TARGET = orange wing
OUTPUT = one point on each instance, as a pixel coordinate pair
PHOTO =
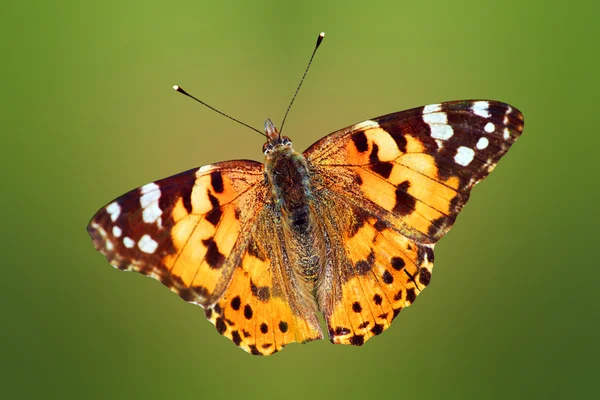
(195, 232)
(372, 274)
(390, 188)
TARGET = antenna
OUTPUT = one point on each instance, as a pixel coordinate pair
(180, 90)
(319, 40)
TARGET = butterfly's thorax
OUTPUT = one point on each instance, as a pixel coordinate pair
(289, 179)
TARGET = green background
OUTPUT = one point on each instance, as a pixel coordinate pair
(88, 113)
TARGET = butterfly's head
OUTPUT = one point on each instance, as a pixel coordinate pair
(275, 141)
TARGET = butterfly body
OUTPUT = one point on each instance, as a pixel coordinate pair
(346, 228)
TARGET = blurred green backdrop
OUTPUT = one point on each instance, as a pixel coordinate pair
(88, 113)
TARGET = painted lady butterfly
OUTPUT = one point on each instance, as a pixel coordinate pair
(346, 228)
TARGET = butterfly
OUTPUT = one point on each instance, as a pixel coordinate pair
(347, 228)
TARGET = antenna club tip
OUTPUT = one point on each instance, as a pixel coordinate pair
(179, 89)
(320, 38)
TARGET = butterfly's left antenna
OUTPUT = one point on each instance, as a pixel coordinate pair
(319, 40)
(180, 90)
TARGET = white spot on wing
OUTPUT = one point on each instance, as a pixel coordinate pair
(481, 108)
(508, 111)
(128, 242)
(483, 143)
(114, 210)
(506, 133)
(117, 231)
(109, 245)
(147, 245)
(489, 127)
(148, 188)
(432, 108)
(149, 202)
(464, 156)
(438, 123)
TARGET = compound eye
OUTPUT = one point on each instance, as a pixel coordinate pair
(267, 148)
(286, 140)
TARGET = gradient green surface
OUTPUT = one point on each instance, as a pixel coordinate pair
(88, 113)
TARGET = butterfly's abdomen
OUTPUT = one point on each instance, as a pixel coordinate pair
(291, 190)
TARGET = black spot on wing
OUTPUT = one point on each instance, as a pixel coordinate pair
(411, 295)
(374, 156)
(213, 256)
(254, 350)
(214, 215)
(283, 326)
(377, 329)
(186, 294)
(425, 276)
(236, 303)
(360, 141)
(220, 325)
(380, 225)
(398, 263)
(382, 168)
(356, 307)
(264, 328)
(405, 203)
(398, 296)
(340, 331)
(248, 311)
(262, 293)
(235, 336)
(377, 299)
(362, 267)
(216, 181)
(387, 277)
(357, 340)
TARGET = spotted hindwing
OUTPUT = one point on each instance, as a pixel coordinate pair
(393, 186)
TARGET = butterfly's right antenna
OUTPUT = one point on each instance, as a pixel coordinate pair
(319, 40)
(180, 90)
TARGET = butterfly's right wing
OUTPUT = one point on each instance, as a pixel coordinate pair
(202, 234)
(387, 190)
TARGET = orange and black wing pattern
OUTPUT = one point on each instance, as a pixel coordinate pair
(390, 188)
(200, 234)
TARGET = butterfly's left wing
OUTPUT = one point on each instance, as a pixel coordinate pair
(403, 179)
(210, 236)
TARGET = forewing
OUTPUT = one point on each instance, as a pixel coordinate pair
(415, 169)
(187, 230)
